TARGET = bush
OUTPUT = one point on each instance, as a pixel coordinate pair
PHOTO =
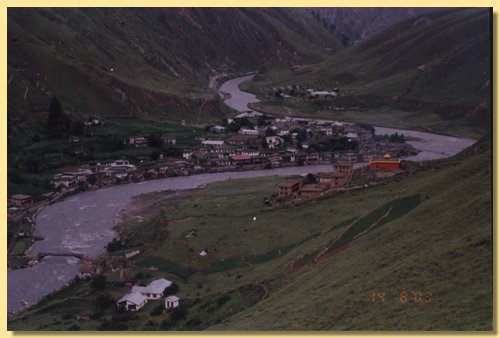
(165, 324)
(124, 316)
(114, 245)
(107, 325)
(103, 300)
(172, 289)
(73, 327)
(178, 313)
(158, 310)
(66, 316)
(98, 282)
(223, 299)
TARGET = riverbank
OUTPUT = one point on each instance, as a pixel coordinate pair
(84, 223)
(436, 221)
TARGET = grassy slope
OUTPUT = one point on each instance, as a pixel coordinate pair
(454, 45)
(442, 245)
(161, 61)
(161, 58)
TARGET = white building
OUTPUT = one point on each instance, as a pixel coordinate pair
(274, 142)
(245, 131)
(154, 290)
(351, 135)
(133, 301)
(213, 143)
(250, 152)
(120, 169)
(171, 302)
(248, 114)
(217, 129)
(313, 92)
(137, 141)
(326, 131)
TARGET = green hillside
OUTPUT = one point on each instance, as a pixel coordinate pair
(272, 266)
(437, 64)
(139, 71)
(146, 62)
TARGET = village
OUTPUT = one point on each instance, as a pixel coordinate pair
(249, 141)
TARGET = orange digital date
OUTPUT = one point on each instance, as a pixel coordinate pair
(413, 296)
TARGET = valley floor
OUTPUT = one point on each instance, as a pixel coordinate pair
(414, 253)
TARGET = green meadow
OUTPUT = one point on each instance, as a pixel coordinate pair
(414, 241)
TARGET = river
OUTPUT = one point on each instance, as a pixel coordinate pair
(238, 100)
(83, 223)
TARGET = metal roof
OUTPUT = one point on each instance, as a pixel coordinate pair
(156, 286)
(133, 297)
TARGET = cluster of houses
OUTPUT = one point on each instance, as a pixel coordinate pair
(103, 173)
(339, 176)
(274, 143)
(255, 142)
(140, 295)
(260, 144)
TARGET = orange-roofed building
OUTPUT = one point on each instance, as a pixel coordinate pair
(386, 163)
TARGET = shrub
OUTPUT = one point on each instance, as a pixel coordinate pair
(73, 327)
(107, 325)
(98, 282)
(158, 310)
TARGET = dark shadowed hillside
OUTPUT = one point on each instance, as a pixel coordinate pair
(146, 62)
(356, 24)
(437, 64)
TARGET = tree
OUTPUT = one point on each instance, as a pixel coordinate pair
(244, 122)
(262, 120)
(98, 282)
(78, 128)
(92, 179)
(310, 179)
(55, 119)
(270, 132)
(234, 127)
(103, 300)
(33, 164)
(171, 290)
(155, 140)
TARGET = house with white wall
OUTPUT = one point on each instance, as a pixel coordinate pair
(133, 301)
(171, 302)
(154, 290)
